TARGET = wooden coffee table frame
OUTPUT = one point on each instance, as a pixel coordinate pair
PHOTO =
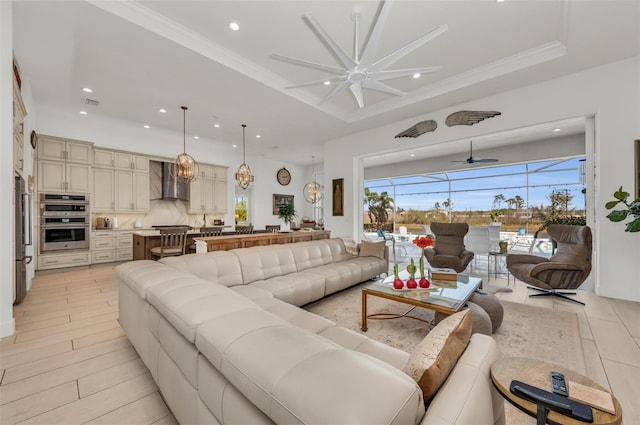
(409, 301)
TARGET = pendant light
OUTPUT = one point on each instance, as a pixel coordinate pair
(185, 168)
(243, 176)
(312, 191)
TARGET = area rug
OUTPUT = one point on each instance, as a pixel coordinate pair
(526, 331)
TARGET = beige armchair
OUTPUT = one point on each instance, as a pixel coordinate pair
(568, 268)
(449, 250)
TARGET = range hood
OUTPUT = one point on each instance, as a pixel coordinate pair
(164, 185)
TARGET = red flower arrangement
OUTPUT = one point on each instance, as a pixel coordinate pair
(423, 242)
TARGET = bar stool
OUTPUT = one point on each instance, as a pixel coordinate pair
(172, 242)
(244, 230)
(272, 228)
(205, 232)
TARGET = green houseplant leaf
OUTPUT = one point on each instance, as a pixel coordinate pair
(632, 210)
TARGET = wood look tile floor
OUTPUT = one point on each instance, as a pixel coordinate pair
(70, 362)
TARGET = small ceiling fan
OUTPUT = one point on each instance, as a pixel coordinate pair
(472, 160)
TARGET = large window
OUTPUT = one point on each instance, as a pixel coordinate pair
(519, 195)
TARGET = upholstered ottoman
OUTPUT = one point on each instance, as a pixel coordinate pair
(491, 304)
(480, 320)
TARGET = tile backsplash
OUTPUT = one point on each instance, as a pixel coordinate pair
(162, 212)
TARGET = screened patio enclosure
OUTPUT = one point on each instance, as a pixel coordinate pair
(520, 196)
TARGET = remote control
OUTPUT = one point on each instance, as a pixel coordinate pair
(558, 384)
(551, 401)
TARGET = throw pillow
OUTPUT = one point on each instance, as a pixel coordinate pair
(350, 245)
(372, 249)
(434, 358)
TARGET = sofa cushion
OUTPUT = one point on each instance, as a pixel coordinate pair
(311, 254)
(372, 249)
(433, 359)
(220, 267)
(265, 262)
(350, 245)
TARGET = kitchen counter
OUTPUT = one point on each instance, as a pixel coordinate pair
(143, 241)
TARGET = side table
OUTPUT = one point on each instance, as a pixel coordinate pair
(494, 256)
(536, 373)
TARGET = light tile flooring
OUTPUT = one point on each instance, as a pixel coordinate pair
(70, 362)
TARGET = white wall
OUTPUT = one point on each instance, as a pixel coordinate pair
(611, 93)
(7, 323)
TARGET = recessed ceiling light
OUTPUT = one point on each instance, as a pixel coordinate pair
(258, 136)
(83, 112)
(234, 146)
(555, 130)
(412, 155)
(216, 125)
(87, 90)
(196, 137)
(326, 83)
(234, 26)
(499, 1)
(162, 111)
(416, 75)
(146, 126)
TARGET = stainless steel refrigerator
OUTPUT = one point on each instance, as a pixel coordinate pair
(23, 238)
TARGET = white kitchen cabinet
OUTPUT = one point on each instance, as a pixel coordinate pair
(58, 149)
(132, 191)
(207, 171)
(55, 261)
(103, 197)
(129, 161)
(103, 246)
(221, 173)
(19, 111)
(201, 196)
(64, 166)
(220, 196)
(60, 176)
(103, 158)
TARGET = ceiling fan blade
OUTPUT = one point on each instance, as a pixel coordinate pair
(393, 57)
(387, 75)
(466, 160)
(322, 67)
(336, 88)
(330, 42)
(378, 86)
(485, 160)
(369, 51)
(318, 82)
(356, 89)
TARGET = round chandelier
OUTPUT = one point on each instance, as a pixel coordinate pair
(312, 191)
(243, 176)
(185, 168)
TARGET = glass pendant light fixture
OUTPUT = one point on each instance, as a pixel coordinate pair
(185, 168)
(313, 190)
(243, 176)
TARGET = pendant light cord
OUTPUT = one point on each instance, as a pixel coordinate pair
(244, 126)
(184, 129)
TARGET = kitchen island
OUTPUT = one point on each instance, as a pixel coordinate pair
(143, 241)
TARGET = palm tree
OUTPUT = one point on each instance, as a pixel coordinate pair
(378, 206)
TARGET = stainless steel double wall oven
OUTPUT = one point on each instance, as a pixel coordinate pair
(64, 222)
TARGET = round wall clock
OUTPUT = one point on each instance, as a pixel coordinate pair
(283, 176)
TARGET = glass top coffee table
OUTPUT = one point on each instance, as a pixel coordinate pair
(444, 296)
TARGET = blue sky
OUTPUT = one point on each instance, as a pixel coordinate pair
(475, 189)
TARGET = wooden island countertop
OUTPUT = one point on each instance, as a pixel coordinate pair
(142, 243)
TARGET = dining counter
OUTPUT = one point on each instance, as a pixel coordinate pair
(143, 241)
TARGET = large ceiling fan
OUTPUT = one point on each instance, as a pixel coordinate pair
(472, 160)
(362, 71)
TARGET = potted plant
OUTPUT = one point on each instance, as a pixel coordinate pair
(287, 214)
(632, 210)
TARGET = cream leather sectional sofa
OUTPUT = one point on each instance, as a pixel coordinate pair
(226, 342)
